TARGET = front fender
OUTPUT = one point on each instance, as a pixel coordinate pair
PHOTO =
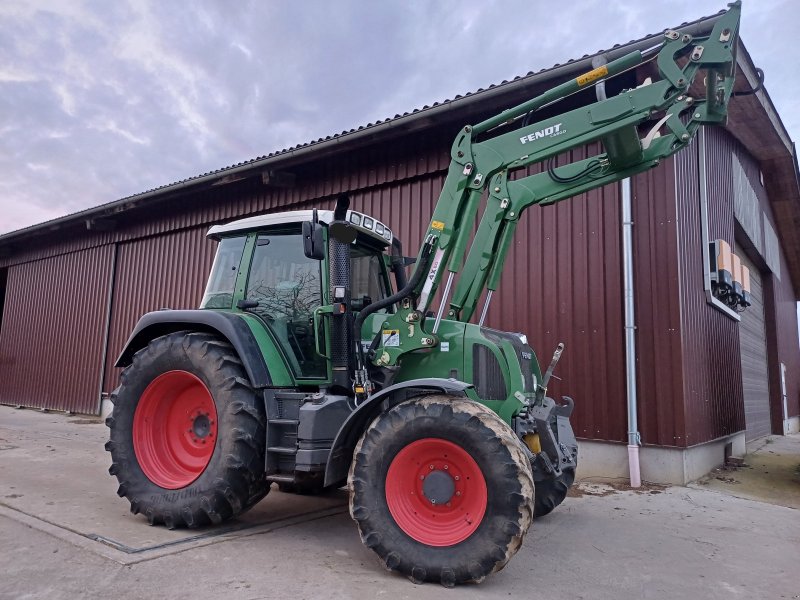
(352, 429)
(226, 325)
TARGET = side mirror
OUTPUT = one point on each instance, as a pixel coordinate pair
(313, 240)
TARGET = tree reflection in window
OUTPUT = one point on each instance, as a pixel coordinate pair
(287, 286)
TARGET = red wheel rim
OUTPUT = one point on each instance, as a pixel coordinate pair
(459, 486)
(174, 429)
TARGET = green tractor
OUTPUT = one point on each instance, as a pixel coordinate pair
(313, 361)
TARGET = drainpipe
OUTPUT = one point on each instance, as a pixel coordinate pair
(634, 439)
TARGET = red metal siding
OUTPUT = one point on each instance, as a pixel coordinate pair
(563, 283)
(784, 347)
(563, 280)
(166, 271)
(318, 181)
(51, 343)
(780, 306)
(656, 305)
(712, 386)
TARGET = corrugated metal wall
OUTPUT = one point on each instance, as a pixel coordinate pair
(780, 306)
(712, 384)
(755, 372)
(383, 165)
(54, 324)
(166, 271)
(656, 275)
(563, 282)
(785, 346)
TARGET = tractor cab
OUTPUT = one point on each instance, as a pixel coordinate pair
(268, 266)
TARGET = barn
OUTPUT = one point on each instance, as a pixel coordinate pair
(644, 333)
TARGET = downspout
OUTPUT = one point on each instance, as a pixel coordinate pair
(634, 439)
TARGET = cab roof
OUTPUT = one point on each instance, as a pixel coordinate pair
(362, 223)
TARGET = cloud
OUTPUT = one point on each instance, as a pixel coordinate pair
(99, 100)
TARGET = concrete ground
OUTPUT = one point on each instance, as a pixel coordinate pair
(65, 534)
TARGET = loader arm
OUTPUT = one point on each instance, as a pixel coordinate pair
(637, 129)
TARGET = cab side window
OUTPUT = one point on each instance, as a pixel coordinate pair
(368, 278)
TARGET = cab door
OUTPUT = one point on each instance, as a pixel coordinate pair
(287, 287)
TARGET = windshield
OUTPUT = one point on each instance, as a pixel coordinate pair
(221, 282)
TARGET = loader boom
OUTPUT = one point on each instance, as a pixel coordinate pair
(637, 129)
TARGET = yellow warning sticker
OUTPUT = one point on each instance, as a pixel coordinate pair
(592, 75)
(438, 225)
(390, 337)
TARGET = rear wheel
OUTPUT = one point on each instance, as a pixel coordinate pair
(187, 433)
(441, 490)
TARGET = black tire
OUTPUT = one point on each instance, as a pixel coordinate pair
(551, 492)
(498, 454)
(233, 480)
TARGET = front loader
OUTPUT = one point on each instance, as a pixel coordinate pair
(314, 361)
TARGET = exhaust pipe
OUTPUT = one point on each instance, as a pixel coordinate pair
(341, 235)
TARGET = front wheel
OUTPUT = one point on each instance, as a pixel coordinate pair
(441, 490)
(551, 492)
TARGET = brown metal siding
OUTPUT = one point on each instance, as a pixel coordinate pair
(171, 270)
(755, 372)
(712, 385)
(166, 271)
(783, 345)
(52, 338)
(563, 283)
(780, 306)
(780, 311)
(319, 181)
(656, 305)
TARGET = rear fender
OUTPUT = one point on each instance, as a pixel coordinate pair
(352, 429)
(226, 325)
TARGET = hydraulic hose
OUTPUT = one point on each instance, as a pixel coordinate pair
(398, 263)
(419, 273)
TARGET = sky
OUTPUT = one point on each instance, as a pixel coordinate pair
(100, 100)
